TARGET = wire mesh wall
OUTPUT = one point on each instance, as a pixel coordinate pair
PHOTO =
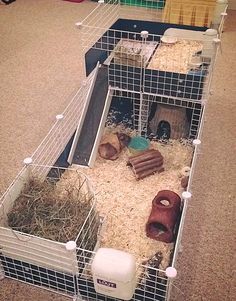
(196, 13)
(97, 22)
(177, 64)
(178, 68)
(149, 111)
(152, 283)
(61, 132)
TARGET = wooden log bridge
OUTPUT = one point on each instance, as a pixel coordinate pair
(146, 163)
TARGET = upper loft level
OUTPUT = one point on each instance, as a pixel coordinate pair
(164, 48)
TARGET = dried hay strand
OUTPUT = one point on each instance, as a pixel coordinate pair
(50, 209)
(126, 203)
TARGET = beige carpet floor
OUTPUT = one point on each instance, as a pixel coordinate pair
(39, 68)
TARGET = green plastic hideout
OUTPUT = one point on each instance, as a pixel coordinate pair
(138, 144)
(144, 3)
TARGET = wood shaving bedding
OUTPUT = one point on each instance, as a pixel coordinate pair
(126, 203)
(174, 57)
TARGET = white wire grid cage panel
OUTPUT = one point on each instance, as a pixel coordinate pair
(61, 132)
(196, 153)
(190, 190)
(183, 12)
(180, 68)
(97, 22)
(38, 261)
(152, 283)
(145, 112)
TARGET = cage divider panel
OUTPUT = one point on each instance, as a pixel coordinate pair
(144, 114)
(99, 51)
(153, 288)
(92, 119)
(195, 120)
(173, 84)
(125, 77)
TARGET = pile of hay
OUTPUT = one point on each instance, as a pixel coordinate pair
(50, 210)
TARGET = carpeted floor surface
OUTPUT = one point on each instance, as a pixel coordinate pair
(39, 70)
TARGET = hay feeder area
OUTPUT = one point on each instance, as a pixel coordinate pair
(39, 216)
(50, 209)
(125, 202)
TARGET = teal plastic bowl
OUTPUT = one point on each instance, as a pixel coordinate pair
(138, 144)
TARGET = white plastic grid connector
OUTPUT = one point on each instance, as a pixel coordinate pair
(171, 272)
(197, 142)
(101, 1)
(27, 161)
(71, 245)
(144, 34)
(186, 195)
(78, 24)
(217, 41)
(59, 117)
